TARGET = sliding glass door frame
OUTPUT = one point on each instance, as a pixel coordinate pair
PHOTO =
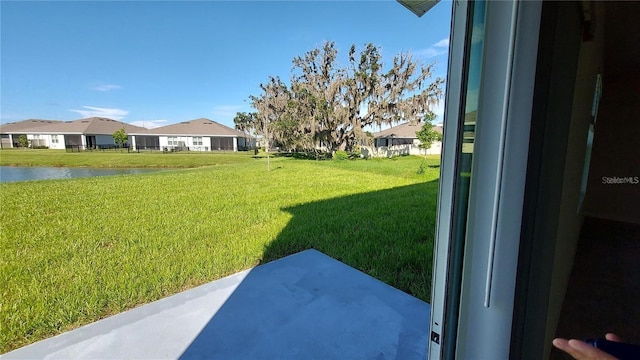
(480, 212)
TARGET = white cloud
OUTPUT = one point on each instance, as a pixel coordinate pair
(107, 87)
(149, 124)
(444, 43)
(439, 48)
(430, 52)
(111, 113)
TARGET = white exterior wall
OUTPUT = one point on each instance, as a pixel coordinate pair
(188, 142)
(46, 140)
(397, 150)
(163, 142)
(206, 143)
(435, 149)
(59, 145)
(33, 138)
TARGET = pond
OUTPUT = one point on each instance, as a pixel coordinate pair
(20, 173)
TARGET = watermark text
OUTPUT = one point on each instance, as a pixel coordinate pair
(610, 180)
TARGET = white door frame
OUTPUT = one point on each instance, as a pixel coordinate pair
(496, 193)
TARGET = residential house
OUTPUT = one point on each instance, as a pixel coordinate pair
(196, 135)
(401, 140)
(89, 133)
(96, 132)
(10, 132)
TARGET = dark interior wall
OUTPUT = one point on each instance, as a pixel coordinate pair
(568, 65)
(570, 217)
(613, 190)
(558, 137)
(613, 50)
(553, 216)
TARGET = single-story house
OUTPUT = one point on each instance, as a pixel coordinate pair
(401, 139)
(89, 133)
(96, 132)
(10, 132)
(197, 135)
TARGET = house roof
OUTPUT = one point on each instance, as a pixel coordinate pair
(404, 131)
(93, 125)
(200, 126)
(105, 126)
(25, 124)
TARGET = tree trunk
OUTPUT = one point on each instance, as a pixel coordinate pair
(268, 158)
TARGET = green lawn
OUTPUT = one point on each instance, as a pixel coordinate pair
(74, 251)
(119, 158)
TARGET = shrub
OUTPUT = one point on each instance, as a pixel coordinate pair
(23, 141)
(356, 153)
(340, 155)
(422, 167)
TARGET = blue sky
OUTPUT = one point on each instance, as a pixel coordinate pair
(154, 63)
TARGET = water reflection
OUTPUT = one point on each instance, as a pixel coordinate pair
(17, 173)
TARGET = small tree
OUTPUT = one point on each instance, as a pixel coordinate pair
(427, 135)
(23, 141)
(271, 106)
(120, 137)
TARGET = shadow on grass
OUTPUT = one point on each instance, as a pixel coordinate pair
(311, 306)
(304, 155)
(387, 234)
(295, 155)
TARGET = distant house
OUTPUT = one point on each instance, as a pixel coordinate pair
(89, 133)
(401, 140)
(10, 132)
(196, 135)
(96, 132)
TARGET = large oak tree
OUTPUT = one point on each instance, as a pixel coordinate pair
(328, 106)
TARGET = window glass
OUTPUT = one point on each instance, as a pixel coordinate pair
(475, 44)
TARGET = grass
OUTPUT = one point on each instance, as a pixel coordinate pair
(74, 251)
(117, 159)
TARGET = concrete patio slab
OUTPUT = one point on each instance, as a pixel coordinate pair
(304, 306)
